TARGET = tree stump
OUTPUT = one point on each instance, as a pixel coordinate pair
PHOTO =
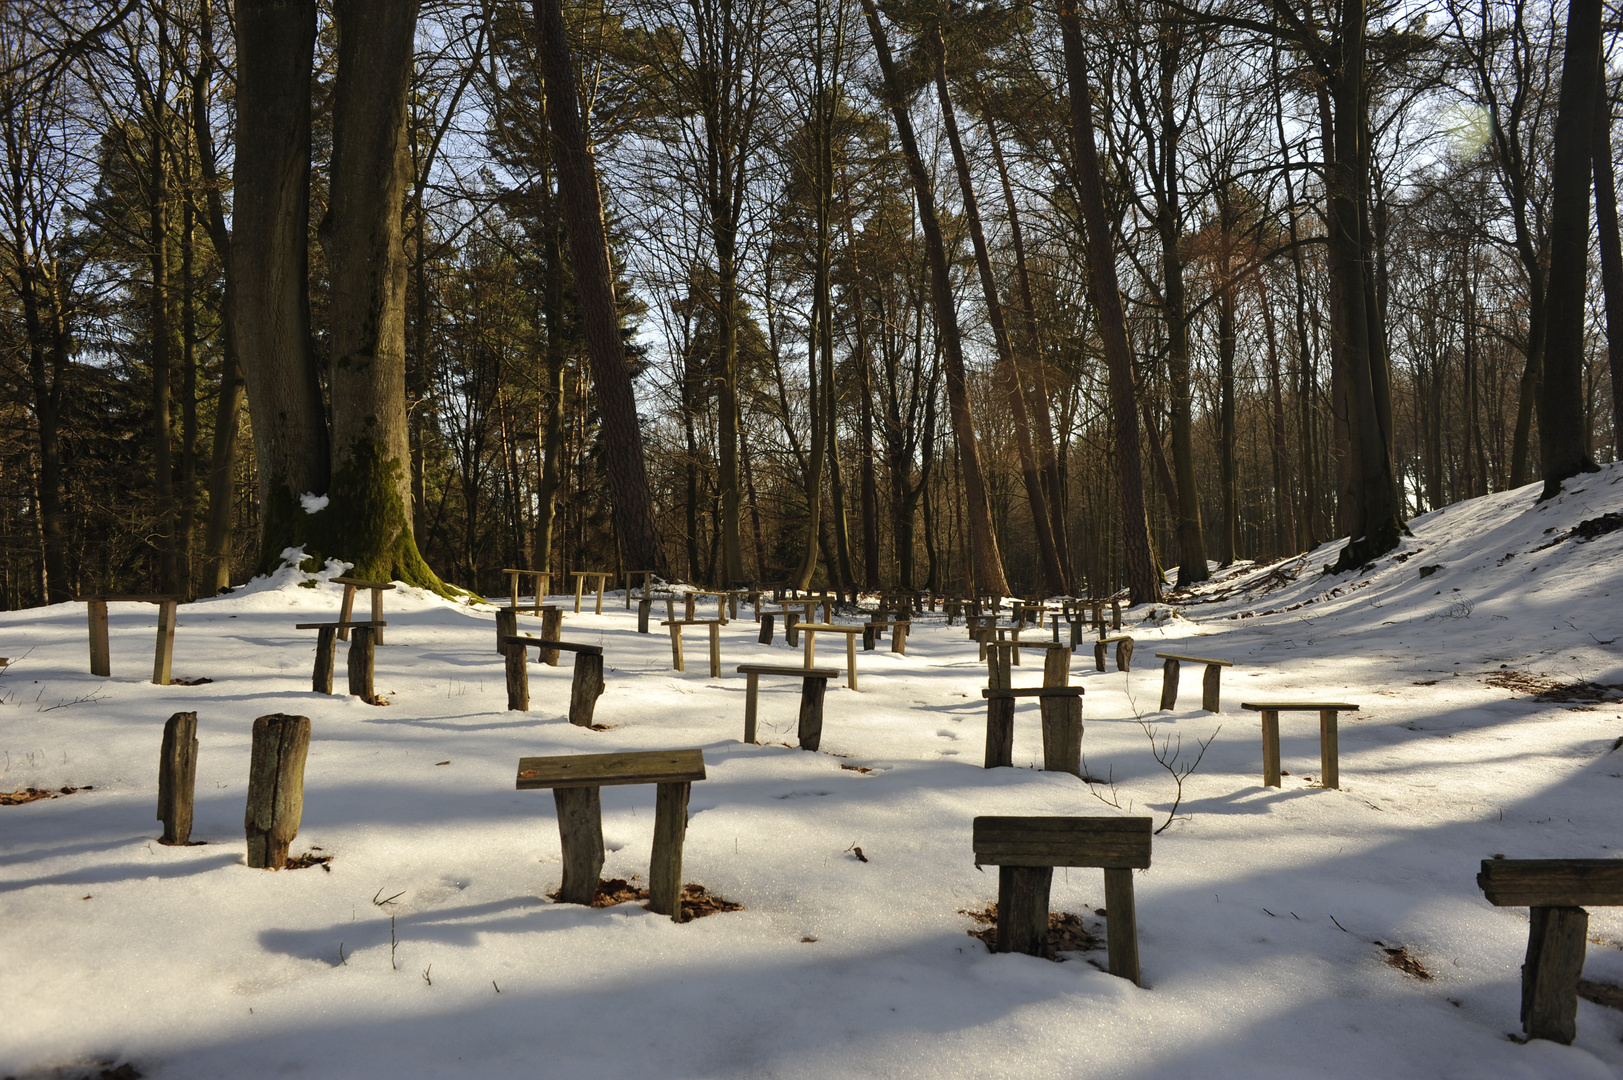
(811, 713)
(1124, 654)
(768, 626)
(1169, 684)
(361, 650)
(275, 787)
(518, 677)
(580, 829)
(791, 628)
(999, 732)
(506, 622)
(1057, 668)
(1555, 959)
(585, 688)
(552, 628)
(665, 865)
(644, 607)
(101, 655)
(1022, 909)
(177, 778)
(164, 653)
(326, 645)
(1209, 688)
(1062, 734)
(998, 660)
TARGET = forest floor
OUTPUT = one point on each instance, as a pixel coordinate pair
(1283, 932)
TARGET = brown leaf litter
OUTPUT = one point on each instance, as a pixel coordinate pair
(1544, 688)
(28, 795)
(1065, 931)
(1404, 961)
(696, 902)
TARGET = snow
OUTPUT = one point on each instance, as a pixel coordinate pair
(313, 503)
(1257, 921)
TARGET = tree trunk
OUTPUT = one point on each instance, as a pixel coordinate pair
(552, 421)
(1143, 575)
(1611, 255)
(186, 525)
(159, 328)
(1284, 515)
(988, 563)
(1228, 536)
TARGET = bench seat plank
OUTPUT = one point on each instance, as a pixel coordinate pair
(603, 770)
(788, 671)
(548, 643)
(1116, 843)
(337, 625)
(1552, 882)
(836, 628)
(1032, 691)
(361, 583)
(131, 598)
(692, 622)
(1193, 659)
(1298, 706)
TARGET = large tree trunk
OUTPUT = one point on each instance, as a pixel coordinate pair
(594, 283)
(275, 52)
(1563, 430)
(1611, 254)
(1143, 575)
(1228, 536)
(158, 319)
(1284, 513)
(988, 563)
(552, 419)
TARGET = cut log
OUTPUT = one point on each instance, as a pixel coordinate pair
(580, 831)
(1169, 684)
(1057, 667)
(552, 629)
(812, 691)
(275, 787)
(1022, 909)
(326, 645)
(177, 777)
(768, 626)
(1062, 734)
(360, 664)
(665, 866)
(506, 622)
(585, 688)
(518, 677)
(163, 655)
(999, 732)
(1555, 960)
(1121, 924)
(100, 653)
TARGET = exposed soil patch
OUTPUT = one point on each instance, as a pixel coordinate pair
(1599, 526)
(1404, 962)
(1601, 993)
(199, 681)
(1065, 931)
(696, 903)
(308, 859)
(28, 795)
(857, 769)
(1544, 688)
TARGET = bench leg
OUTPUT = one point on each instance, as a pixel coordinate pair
(752, 690)
(1270, 748)
(687, 610)
(1124, 655)
(377, 616)
(867, 639)
(506, 626)
(715, 651)
(346, 610)
(643, 608)
(1208, 688)
(275, 788)
(100, 654)
(997, 669)
(676, 647)
(552, 628)
(791, 628)
(1057, 667)
(1555, 959)
(768, 623)
(164, 652)
(1022, 909)
(898, 640)
(518, 677)
(580, 586)
(512, 591)
(543, 589)
(1329, 749)
(580, 830)
(999, 732)
(1169, 685)
(810, 652)
(851, 660)
(665, 867)
(360, 664)
(585, 688)
(321, 678)
(810, 734)
(599, 609)
(1014, 639)
(1062, 734)
(177, 778)
(1121, 924)
(1099, 655)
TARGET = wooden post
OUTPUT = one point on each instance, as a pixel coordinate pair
(1121, 924)
(868, 637)
(1115, 614)
(898, 638)
(600, 583)
(585, 688)
(1208, 688)
(850, 660)
(1057, 667)
(1270, 748)
(1124, 654)
(676, 647)
(1329, 749)
(100, 653)
(1099, 655)
(177, 777)
(164, 653)
(1022, 909)
(580, 831)
(687, 610)
(811, 712)
(1062, 734)
(321, 678)
(768, 623)
(644, 606)
(506, 625)
(275, 788)
(791, 628)
(360, 664)
(715, 651)
(665, 865)
(518, 677)
(752, 691)
(580, 584)
(999, 732)
(1555, 959)
(997, 668)
(512, 590)
(377, 616)
(810, 651)
(552, 628)
(1169, 684)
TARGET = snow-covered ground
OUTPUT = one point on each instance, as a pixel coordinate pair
(1264, 922)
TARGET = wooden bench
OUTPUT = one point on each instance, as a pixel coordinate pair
(850, 632)
(647, 584)
(552, 628)
(721, 596)
(1061, 710)
(898, 634)
(813, 685)
(1555, 891)
(347, 609)
(101, 654)
(989, 632)
(1124, 652)
(584, 688)
(794, 612)
(1026, 849)
(1209, 684)
(541, 581)
(580, 577)
(359, 662)
(1329, 742)
(577, 780)
(676, 626)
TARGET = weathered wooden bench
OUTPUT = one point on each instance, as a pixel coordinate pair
(989, 632)
(1124, 652)
(1056, 664)
(898, 634)
(677, 625)
(541, 582)
(850, 632)
(647, 577)
(577, 781)
(1061, 711)
(580, 577)
(552, 628)
(101, 654)
(720, 595)
(585, 686)
(794, 613)
(1208, 686)
(1555, 892)
(813, 686)
(1026, 849)
(347, 609)
(359, 662)
(1329, 739)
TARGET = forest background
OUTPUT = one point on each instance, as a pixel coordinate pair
(863, 264)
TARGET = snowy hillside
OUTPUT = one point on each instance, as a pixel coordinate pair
(1283, 932)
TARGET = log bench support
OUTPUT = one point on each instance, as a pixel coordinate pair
(1124, 652)
(540, 581)
(359, 664)
(1329, 737)
(177, 778)
(376, 588)
(1057, 666)
(1061, 711)
(813, 687)
(275, 788)
(1026, 849)
(676, 625)
(1555, 892)
(163, 653)
(584, 688)
(850, 632)
(580, 577)
(1208, 685)
(577, 780)
(898, 628)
